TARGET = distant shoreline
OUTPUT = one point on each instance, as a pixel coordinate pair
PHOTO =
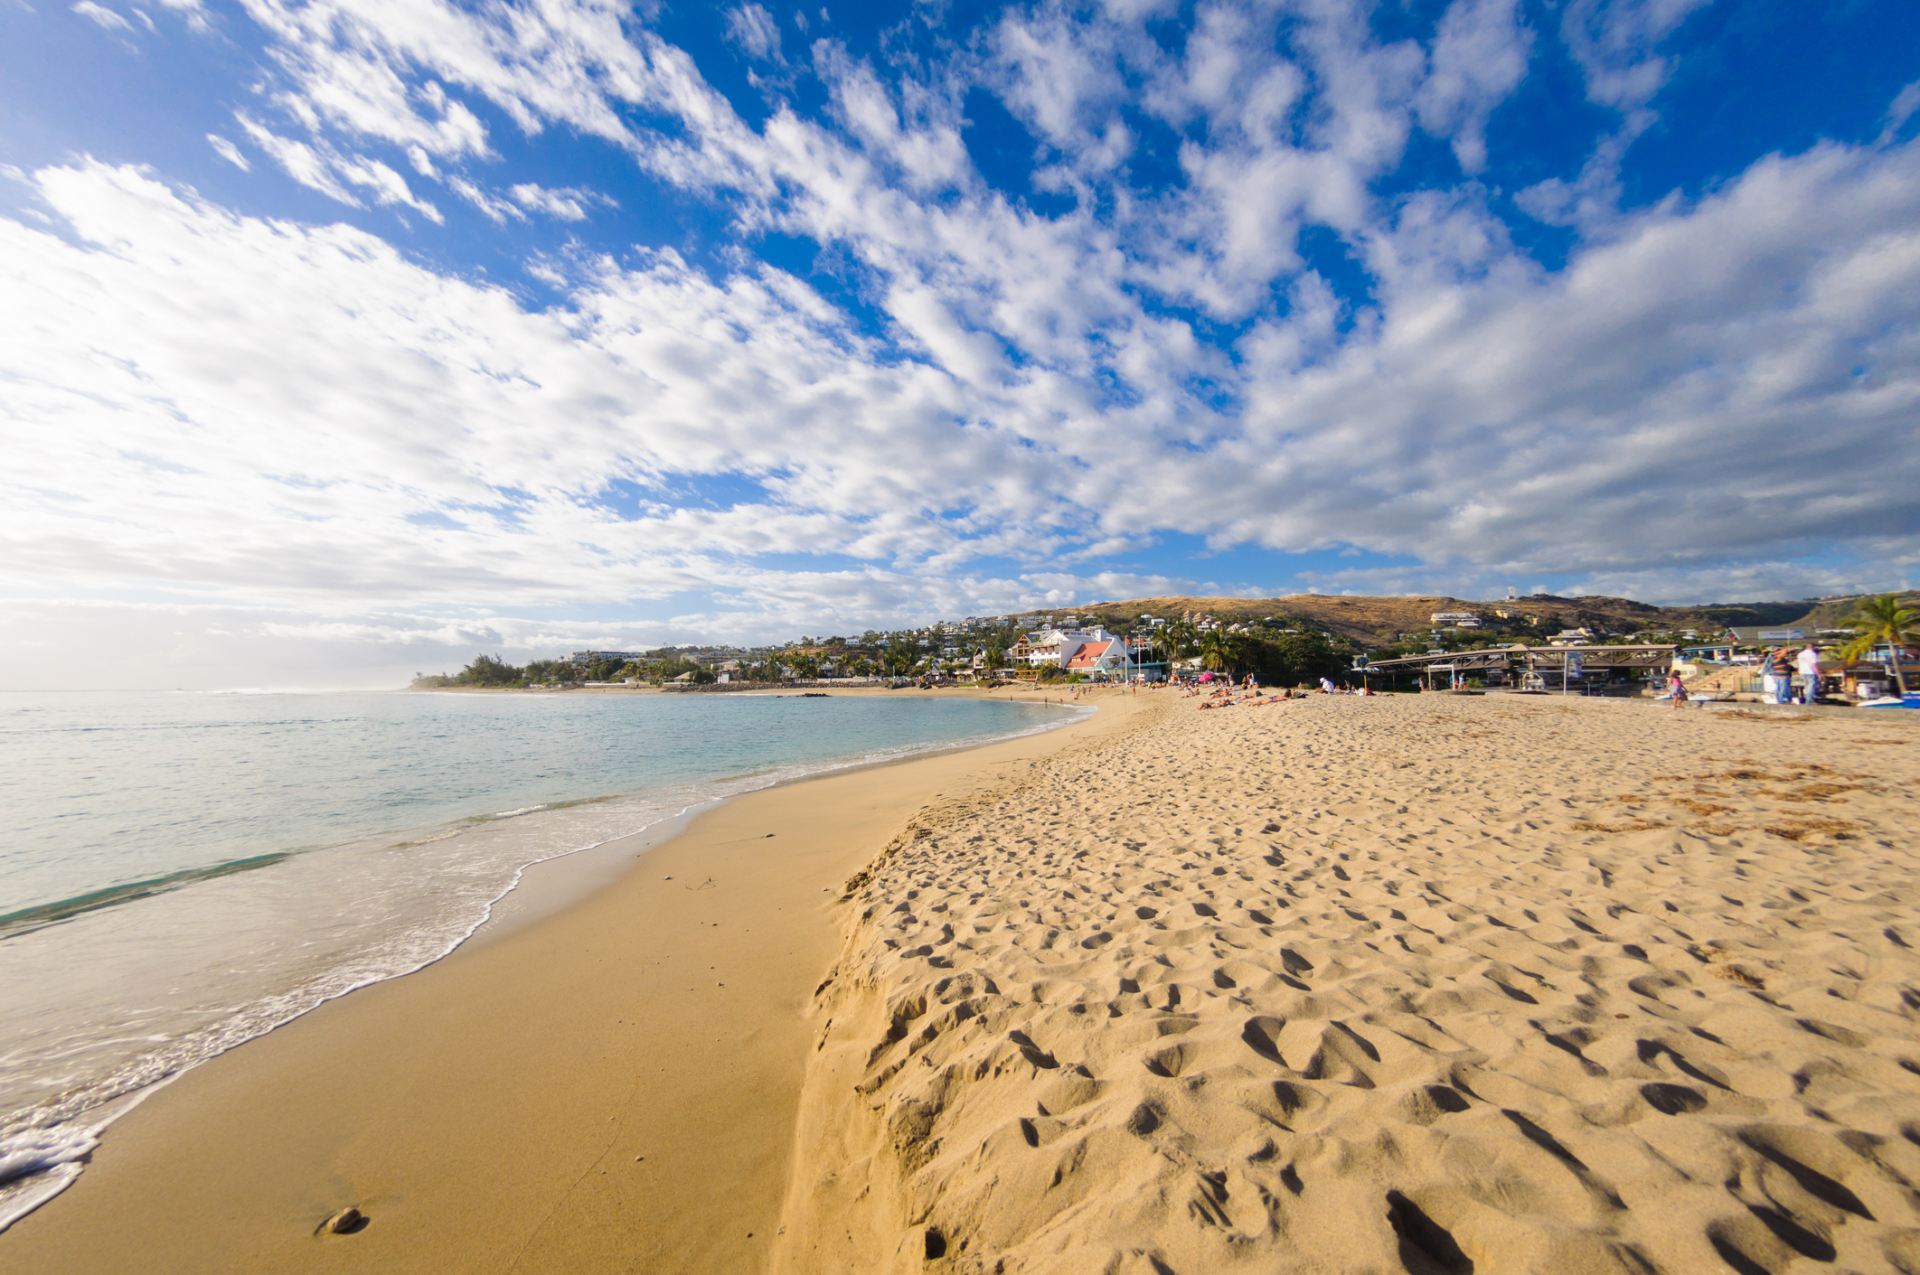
(736, 688)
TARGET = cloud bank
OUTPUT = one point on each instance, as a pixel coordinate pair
(1211, 310)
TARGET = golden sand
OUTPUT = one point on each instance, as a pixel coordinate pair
(1413, 983)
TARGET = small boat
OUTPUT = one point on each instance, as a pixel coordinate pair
(1910, 700)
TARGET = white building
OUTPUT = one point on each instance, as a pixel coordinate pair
(1455, 620)
(1103, 658)
(1053, 648)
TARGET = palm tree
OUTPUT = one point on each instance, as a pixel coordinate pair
(1883, 620)
(1218, 650)
(1178, 636)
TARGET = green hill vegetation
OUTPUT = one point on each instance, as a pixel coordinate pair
(1287, 639)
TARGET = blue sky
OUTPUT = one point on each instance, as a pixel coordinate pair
(346, 337)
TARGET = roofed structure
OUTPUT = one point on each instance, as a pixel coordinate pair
(1541, 659)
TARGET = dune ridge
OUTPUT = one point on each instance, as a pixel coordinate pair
(1414, 983)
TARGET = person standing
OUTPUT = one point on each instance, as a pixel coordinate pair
(1808, 662)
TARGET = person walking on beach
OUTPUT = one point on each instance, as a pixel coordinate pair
(1809, 664)
(1677, 689)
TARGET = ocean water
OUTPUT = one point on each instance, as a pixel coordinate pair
(180, 873)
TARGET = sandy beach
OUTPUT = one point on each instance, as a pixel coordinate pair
(1417, 983)
(1423, 983)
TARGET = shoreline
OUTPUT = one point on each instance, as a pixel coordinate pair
(137, 1196)
(534, 889)
(545, 890)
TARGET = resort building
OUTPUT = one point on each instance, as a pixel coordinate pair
(1054, 648)
(1099, 659)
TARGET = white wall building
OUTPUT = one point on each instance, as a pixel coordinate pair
(1053, 648)
(1103, 658)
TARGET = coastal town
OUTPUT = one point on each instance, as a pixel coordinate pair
(1595, 646)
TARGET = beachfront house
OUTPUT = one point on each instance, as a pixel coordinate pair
(1049, 648)
(1100, 659)
(1055, 648)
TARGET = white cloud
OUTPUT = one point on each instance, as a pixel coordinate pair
(386, 185)
(1905, 103)
(929, 153)
(497, 210)
(393, 392)
(1617, 48)
(1692, 389)
(1616, 45)
(323, 169)
(1479, 56)
(104, 18)
(565, 203)
(387, 73)
(752, 28)
(195, 12)
(1762, 339)
(310, 167)
(302, 425)
(228, 151)
(1060, 77)
(1591, 200)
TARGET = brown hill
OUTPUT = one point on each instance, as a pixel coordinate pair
(1836, 613)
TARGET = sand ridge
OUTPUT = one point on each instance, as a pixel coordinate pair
(1414, 983)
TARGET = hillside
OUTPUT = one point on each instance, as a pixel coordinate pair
(1831, 613)
(1381, 619)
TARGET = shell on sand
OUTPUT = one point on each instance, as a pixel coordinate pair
(1406, 983)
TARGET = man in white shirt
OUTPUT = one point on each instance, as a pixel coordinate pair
(1808, 662)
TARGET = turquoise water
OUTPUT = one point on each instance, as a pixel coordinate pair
(180, 872)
